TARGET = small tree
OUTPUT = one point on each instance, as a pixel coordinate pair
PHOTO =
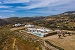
(63, 34)
(59, 35)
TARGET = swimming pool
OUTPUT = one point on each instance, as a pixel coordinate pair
(39, 34)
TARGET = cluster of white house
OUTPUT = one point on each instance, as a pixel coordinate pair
(36, 31)
(29, 26)
(18, 24)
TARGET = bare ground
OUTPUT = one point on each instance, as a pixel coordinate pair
(67, 43)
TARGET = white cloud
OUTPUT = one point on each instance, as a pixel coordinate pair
(1, 6)
(1, 17)
(15, 1)
(42, 3)
(45, 6)
(7, 11)
(0, 2)
(45, 3)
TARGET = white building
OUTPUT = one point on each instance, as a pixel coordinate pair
(38, 31)
(58, 31)
(16, 25)
(28, 25)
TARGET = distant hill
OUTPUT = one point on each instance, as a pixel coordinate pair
(70, 12)
(14, 20)
(64, 20)
(3, 22)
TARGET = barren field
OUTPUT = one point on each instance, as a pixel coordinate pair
(67, 43)
(16, 28)
(10, 41)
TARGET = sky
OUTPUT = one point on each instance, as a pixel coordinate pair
(29, 8)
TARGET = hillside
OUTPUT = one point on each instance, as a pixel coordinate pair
(3, 22)
(14, 20)
(10, 41)
(62, 21)
(18, 40)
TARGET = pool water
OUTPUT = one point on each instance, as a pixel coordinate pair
(38, 34)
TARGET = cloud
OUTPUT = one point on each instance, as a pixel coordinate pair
(45, 3)
(14, 1)
(1, 17)
(2, 6)
(42, 3)
(36, 7)
(7, 11)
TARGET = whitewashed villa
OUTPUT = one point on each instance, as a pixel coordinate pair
(41, 32)
(16, 25)
(28, 25)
